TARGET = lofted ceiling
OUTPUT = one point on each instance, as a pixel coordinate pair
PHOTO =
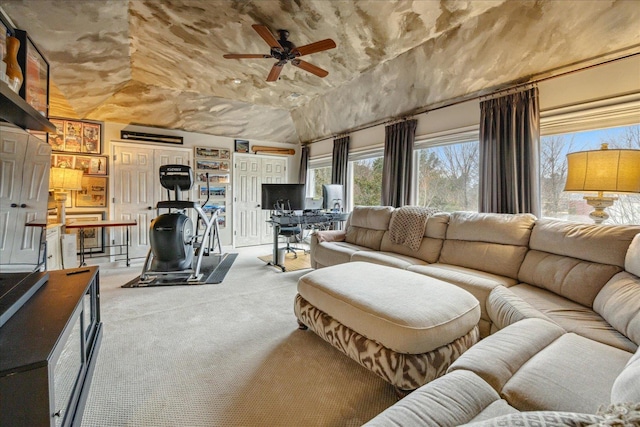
(159, 63)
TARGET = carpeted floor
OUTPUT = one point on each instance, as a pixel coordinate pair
(224, 355)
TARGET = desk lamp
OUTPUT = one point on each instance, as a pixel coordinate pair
(62, 180)
(600, 171)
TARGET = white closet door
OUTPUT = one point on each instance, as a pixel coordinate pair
(137, 188)
(250, 172)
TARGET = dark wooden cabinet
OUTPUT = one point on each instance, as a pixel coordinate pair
(48, 351)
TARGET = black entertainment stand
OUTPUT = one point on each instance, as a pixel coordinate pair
(48, 351)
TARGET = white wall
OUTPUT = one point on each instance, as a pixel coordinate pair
(616, 78)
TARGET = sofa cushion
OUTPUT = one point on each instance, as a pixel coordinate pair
(619, 304)
(453, 399)
(390, 259)
(473, 238)
(632, 259)
(331, 253)
(575, 279)
(626, 387)
(572, 373)
(506, 308)
(429, 249)
(367, 225)
(573, 317)
(499, 356)
(541, 419)
(405, 312)
(604, 244)
(476, 282)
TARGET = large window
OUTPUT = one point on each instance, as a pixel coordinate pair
(367, 181)
(448, 177)
(553, 174)
(316, 178)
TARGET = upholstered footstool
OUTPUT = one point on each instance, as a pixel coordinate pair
(404, 327)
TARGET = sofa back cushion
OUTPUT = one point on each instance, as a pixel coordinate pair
(575, 260)
(619, 304)
(632, 259)
(495, 243)
(431, 244)
(367, 225)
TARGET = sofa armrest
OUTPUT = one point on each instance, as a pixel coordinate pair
(506, 308)
(331, 236)
(451, 400)
(498, 357)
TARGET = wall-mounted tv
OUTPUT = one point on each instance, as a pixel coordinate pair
(283, 197)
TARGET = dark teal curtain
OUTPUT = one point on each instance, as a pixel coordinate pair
(510, 154)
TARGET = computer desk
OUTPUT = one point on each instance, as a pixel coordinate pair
(278, 221)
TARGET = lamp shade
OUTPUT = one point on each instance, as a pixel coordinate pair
(65, 179)
(613, 171)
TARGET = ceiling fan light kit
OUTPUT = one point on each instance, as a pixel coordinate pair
(284, 51)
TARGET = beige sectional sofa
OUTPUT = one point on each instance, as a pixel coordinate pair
(560, 310)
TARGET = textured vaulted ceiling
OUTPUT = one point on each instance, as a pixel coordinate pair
(159, 63)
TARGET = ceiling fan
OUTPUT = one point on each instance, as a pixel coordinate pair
(284, 51)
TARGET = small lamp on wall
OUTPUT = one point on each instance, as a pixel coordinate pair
(603, 171)
(62, 180)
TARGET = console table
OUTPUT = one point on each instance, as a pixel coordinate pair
(49, 348)
(102, 224)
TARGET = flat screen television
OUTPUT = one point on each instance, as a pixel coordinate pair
(333, 197)
(287, 197)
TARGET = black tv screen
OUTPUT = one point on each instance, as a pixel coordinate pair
(288, 197)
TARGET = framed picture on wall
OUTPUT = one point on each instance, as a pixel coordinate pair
(35, 71)
(93, 193)
(91, 165)
(93, 237)
(76, 136)
(242, 146)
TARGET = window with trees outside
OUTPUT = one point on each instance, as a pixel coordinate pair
(366, 176)
(316, 178)
(447, 177)
(553, 173)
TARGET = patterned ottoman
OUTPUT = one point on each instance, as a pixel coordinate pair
(405, 327)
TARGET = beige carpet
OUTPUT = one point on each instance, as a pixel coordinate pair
(222, 355)
(292, 263)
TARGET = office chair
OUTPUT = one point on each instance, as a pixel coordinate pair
(289, 232)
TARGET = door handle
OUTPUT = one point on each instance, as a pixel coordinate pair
(14, 205)
(257, 206)
(149, 208)
(23, 205)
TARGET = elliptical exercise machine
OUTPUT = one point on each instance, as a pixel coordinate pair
(175, 246)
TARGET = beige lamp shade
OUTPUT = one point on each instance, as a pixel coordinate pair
(65, 179)
(611, 171)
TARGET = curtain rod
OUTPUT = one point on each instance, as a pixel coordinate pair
(489, 93)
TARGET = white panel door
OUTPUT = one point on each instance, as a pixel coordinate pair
(133, 198)
(137, 188)
(247, 210)
(250, 172)
(273, 172)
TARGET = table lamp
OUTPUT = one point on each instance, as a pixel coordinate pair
(603, 171)
(62, 180)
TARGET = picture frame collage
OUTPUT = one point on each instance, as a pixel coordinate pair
(78, 144)
(216, 163)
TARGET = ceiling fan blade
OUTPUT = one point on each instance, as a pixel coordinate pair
(314, 47)
(275, 71)
(313, 69)
(245, 55)
(267, 36)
